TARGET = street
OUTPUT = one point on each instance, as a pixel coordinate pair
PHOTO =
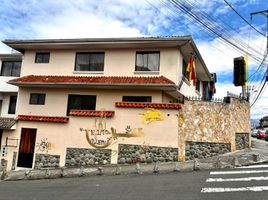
(240, 183)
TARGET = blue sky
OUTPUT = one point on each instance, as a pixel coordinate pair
(33, 19)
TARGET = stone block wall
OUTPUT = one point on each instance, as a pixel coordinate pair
(87, 157)
(46, 161)
(241, 141)
(212, 122)
(199, 150)
(146, 154)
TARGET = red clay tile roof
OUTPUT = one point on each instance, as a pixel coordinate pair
(176, 106)
(142, 80)
(92, 113)
(42, 118)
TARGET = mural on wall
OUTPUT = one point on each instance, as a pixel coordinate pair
(152, 115)
(100, 137)
(44, 145)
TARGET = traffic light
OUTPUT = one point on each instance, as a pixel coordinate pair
(239, 71)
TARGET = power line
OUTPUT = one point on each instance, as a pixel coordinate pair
(243, 18)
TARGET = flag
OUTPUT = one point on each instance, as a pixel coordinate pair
(191, 70)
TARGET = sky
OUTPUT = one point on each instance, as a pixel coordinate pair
(46, 19)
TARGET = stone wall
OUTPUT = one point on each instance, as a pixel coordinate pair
(214, 122)
(241, 141)
(87, 157)
(146, 154)
(46, 161)
(199, 150)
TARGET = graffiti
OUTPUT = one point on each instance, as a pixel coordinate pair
(100, 137)
(44, 145)
(152, 115)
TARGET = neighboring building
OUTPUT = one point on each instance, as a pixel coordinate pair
(83, 96)
(10, 68)
(264, 122)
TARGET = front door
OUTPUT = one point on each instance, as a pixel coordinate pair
(26, 150)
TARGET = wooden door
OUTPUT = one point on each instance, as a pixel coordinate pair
(26, 150)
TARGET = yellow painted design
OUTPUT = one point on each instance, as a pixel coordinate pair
(152, 115)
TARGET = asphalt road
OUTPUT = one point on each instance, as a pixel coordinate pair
(184, 186)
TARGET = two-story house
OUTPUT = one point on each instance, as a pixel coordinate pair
(81, 100)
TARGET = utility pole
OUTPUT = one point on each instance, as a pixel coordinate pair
(265, 13)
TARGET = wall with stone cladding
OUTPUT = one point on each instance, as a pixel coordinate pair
(146, 154)
(46, 161)
(199, 150)
(87, 157)
(202, 121)
(241, 141)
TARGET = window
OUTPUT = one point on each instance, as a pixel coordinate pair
(81, 102)
(147, 61)
(184, 70)
(137, 98)
(197, 86)
(89, 61)
(12, 105)
(42, 57)
(11, 68)
(37, 99)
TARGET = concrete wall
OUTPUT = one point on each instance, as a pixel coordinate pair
(117, 62)
(69, 135)
(56, 100)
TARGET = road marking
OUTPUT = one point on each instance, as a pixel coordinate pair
(242, 189)
(252, 167)
(260, 178)
(239, 172)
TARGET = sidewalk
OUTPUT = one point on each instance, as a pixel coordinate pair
(229, 160)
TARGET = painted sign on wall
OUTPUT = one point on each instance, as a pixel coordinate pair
(101, 137)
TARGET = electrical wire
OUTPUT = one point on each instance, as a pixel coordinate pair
(243, 18)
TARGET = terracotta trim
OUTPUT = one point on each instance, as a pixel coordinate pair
(43, 118)
(91, 113)
(175, 106)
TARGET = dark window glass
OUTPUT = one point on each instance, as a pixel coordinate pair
(42, 57)
(197, 86)
(147, 61)
(137, 98)
(184, 70)
(81, 102)
(12, 105)
(11, 68)
(89, 61)
(37, 99)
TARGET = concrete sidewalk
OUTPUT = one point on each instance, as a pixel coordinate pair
(229, 160)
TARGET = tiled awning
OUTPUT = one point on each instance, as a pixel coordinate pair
(7, 123)
(132, 80)
(92, 113)
(43, 118)
(175, 106)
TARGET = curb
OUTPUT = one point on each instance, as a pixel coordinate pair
(124, 169)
